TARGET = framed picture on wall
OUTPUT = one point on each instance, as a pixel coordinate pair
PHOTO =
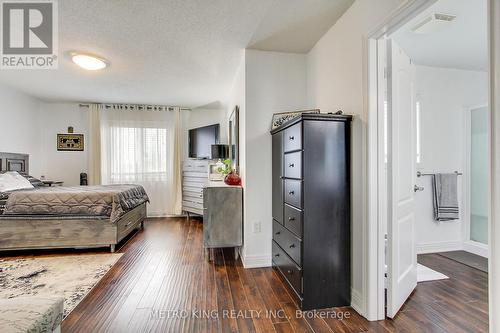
(70, 142)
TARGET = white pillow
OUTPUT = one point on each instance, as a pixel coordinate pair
(12, 180)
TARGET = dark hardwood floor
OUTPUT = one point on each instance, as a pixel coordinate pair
(163, 269)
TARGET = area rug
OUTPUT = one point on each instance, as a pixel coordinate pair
(71, 277)
(424, 274)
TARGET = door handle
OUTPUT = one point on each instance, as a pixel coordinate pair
(417, 188)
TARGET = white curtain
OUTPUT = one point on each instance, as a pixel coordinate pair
(142, 147)
(177, 186)
(94, 145)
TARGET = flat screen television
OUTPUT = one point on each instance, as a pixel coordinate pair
(201, 140)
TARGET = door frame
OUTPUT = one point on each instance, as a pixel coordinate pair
(373, 282)
(374, 279)
(494, 115)
(468, 244)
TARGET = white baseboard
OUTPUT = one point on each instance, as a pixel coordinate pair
(477, 248)
(357, 302)
(423, 248)
(256, 261)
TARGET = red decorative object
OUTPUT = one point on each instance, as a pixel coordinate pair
(232, 179)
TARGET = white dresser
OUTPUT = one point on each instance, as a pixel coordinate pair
(194, 178)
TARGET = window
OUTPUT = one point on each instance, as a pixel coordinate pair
(138, 154)
(142, 147)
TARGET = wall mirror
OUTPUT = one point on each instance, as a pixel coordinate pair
(234, 153)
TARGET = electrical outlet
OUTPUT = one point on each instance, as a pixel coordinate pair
(257, 227)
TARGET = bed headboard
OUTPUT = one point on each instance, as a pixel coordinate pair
(14, 162)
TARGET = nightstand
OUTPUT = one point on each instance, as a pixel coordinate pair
(51, 183)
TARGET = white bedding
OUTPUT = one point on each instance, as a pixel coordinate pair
(12, 180)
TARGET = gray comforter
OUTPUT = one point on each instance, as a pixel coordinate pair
(104, 200)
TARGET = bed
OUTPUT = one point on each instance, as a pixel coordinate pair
(67, 217)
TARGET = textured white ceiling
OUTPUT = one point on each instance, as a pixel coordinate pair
(463, 44)
(296, 25)
(176, 52)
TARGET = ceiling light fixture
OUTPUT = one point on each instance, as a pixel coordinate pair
(88, 61)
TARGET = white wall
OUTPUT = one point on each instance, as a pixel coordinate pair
(63, 165)
(336, 74)
(20, 126)
(444, 95)
(29, 125)
(200, 117)
(274, 82)
(236, 97)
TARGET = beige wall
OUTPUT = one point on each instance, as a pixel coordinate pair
(274, 82)
(200, 117)
(336, 74)
(445, 95)
(20, 128)
(63, 165)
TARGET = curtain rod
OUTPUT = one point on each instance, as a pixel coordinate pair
(133, 106)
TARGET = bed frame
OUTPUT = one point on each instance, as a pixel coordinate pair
(47, 232)
(14, 162)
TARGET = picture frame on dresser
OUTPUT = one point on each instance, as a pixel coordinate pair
(282, 117)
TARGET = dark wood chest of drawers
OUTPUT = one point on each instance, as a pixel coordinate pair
(311, 208)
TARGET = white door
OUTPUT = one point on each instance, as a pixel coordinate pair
(401, 251)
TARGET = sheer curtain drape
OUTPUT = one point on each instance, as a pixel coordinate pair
(94, 144)
(141, 147)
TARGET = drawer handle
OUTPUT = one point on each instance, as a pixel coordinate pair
(277, 255)
(292, 246)
(291, 165)
(291, 137)
(278, 232)
(291, 192)
(289, 271)
(291, 218)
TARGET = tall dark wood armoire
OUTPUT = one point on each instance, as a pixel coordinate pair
(311, 244)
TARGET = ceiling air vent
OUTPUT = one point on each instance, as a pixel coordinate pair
(433, 23)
